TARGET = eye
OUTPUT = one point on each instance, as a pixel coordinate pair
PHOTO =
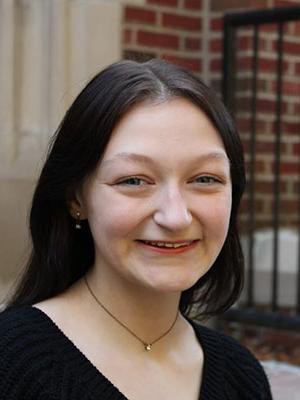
(207, 179)
(132, 181)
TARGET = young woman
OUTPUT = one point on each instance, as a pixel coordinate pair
(133, 226)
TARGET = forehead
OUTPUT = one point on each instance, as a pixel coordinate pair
(175, 128)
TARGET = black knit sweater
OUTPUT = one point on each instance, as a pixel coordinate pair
(38, 362)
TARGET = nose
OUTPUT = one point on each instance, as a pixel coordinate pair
(172, 212)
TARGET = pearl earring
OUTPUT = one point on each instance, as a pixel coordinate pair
(78, 221)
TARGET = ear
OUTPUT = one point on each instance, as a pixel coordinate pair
(76, 206)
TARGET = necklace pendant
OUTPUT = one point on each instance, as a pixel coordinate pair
(148, 347)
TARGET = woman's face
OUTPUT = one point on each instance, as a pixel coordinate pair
(159, 203)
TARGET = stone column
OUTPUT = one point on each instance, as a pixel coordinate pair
(7, 70)
(49, 49)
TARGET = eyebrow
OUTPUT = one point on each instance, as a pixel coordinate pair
(214, 155)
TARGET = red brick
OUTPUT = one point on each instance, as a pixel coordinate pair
(261, 166)
(245, 63)
(296, 149)
(296, 30)
(262, 44)
(289, 167)
(127, 36)
(246, 42)
(291, 127)
(297, 68)
(243, 84)
(135, 14)
(285, 3)
(269, 147)
(193, 4)
(264, 64)
(262, 125)
(181, 22)
(291, 28)
(192, 44)
(194, 64)
(244, 124)
(274, 28)
(216, 65)
(268, 28)
(216, 45)
(162, 40)
(288, 47)
(244, 103)
(296, 188)
(288, 88)
(258, 4)
(268, 187)
(265, 105)
(296, 109)
(216, 24)
(259, 206)
(289, 205)
(265, 147)
(170, 3)
(218, 5)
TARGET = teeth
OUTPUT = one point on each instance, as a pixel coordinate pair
(166, 244)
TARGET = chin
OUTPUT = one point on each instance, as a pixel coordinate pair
(172, 285)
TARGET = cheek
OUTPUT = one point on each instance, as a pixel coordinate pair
(217, 215)
(112, 218)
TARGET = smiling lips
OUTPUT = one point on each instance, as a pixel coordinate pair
(169, 247)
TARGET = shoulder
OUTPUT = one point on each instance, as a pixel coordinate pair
(23, 323)
(27, 354)
(243, 375)
(26, 331)
(233, 353)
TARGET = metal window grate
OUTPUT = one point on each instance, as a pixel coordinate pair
(258, 22)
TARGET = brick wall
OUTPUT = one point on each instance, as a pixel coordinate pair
(189, 32)
(266, 120)
(169, 29)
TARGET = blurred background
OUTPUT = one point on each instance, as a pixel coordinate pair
(248, 50)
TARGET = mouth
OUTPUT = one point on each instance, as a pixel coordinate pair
(168, 245)
(174, 247)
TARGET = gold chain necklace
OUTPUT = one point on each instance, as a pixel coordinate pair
(147, 346)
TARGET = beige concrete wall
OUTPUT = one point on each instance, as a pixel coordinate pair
(14, 200)
(48, 50)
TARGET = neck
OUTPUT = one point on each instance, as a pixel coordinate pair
(147, 313)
